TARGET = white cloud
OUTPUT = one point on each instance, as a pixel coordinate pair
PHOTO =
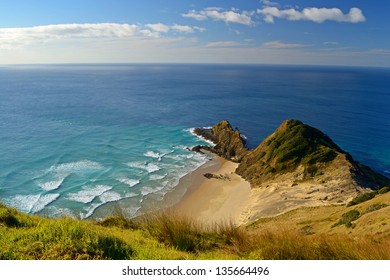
(18, 37)
(223, 44)
(195, 15)
(186, 28)
(218, 14)
(385, 52)
(269, 3)
(331, 43)
(318, 15)
(158, 27)
(14, 38)
(281, 45)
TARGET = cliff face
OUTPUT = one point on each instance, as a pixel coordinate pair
(228, 142)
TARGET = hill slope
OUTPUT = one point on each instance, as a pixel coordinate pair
(308, 153)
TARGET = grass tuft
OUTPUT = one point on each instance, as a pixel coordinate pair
(375, 207)
(347, 218)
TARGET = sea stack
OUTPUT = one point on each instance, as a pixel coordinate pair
(229, 143)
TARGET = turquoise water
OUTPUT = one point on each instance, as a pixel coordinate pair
(76, 139)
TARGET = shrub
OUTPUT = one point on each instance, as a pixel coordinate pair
(361, 198)
(8, 217)
(117, 221)
(347, 218)
(384, 190)
(375, 207)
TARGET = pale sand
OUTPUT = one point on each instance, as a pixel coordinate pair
(216, 200)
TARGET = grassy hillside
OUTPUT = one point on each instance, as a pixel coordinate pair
(307, 233)
(296, 144)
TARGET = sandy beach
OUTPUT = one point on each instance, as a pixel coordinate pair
(216, 200)
(228, 197)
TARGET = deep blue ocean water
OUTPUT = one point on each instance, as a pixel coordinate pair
(77, 138)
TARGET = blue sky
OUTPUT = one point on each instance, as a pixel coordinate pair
(324, 32)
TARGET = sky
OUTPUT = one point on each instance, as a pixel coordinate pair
(321, 32)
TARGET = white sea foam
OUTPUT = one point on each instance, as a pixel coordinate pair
(153, 155)
(181, 157)
(147, 190)
(71, 167)
(23, 203)
(148, 167)
(131, 194)
(387, 171)
(129, 182)
(31, 203)
(106, 197)
(88, 194)
(155, 177)
(43, 201)
(51, 185)
(158, 155)
(109, 196)
(192, 131)
(56, 212)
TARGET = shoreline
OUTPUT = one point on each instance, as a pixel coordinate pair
(185, 185)
(214, 200)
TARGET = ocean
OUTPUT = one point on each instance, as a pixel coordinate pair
(90, 140)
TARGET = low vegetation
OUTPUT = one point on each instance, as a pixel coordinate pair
(375, 207)
(368, 196)
(170, 236)
(361, 198)
(29, 237)
(347, 218)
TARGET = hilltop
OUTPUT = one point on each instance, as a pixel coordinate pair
(308, 153)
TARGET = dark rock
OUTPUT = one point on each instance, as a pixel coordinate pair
(228, 142)
(223, 177)
(205, 133)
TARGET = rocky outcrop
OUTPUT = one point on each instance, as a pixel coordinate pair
(228, 142)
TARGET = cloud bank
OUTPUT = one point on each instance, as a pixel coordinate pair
(318, 15)
(281, 45)
(219, 14)
(13, 38)
(270, 11)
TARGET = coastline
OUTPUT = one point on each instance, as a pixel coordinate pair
(214, 200)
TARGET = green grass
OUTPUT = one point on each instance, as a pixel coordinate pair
(384, 190)
(168, 235)
(29, 237)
